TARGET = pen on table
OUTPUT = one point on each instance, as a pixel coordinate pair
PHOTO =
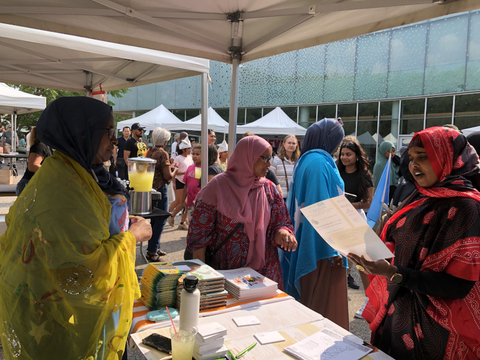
(241, 353)
(231, 354)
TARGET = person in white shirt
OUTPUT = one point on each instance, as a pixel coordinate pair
(284, 163)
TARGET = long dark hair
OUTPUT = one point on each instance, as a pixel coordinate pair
(351, 143)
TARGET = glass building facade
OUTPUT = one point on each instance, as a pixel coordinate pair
(384, 85)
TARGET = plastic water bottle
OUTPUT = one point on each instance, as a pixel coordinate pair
(189, 303)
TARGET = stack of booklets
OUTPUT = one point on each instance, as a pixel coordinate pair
(159, 284)
(209, 342)
(247, 284)
(210, 283)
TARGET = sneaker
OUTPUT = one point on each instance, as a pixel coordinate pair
(182, 226)
(351, 282)
(171, 221)
(358, 314)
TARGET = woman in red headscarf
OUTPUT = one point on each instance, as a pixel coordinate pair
(243, 195)
(426, 303)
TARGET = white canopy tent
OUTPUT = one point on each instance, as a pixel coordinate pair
(214, 121)
(231, 31)
(15, 102)
(158, 117)
(45, 59)
(276, 122)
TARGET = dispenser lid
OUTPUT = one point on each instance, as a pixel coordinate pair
(142, 160)
(190, 283)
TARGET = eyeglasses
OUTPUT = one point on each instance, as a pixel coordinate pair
(266, 159)
(110, 132)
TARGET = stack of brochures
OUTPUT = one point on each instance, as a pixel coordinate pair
(209, 342)
(247, 284)
(211, 283)
(328, 344)
(159, 284)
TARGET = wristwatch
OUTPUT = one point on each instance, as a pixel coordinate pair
(397, 278)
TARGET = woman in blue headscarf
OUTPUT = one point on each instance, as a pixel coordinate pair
(316, 274)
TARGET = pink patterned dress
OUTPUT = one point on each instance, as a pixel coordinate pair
(209, 227)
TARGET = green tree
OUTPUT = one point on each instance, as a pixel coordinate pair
(26, 120)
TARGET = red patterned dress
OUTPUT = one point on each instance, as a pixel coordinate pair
(434, 313)
(209, 227)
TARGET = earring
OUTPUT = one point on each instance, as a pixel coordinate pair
(357, 159)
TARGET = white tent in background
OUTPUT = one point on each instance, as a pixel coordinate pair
(471, 130)
(390, 138)
(15, 102)
(276, 122)
(366, 139)
(158, 117)
(215, 122)
(377, 138)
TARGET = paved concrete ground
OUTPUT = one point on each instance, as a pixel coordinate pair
(173, 242)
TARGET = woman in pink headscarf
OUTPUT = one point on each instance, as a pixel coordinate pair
(242, 195)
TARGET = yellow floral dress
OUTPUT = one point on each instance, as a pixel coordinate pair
(66, 286)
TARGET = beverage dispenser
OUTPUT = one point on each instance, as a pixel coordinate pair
(140, 176)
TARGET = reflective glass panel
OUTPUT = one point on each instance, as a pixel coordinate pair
(372, 66)
(446, 52)
(339, 72)
(253, 82)
(473, 63)
(291, 112)
(310, 75)
(407, 60)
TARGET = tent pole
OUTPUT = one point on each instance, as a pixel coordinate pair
(232, 133)
(204, 134)
(14, 131)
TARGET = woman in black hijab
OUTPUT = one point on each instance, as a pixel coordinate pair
(68, 281)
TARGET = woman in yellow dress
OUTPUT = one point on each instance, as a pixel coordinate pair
(67, 275)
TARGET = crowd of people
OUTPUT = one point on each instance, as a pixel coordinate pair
(68, 267)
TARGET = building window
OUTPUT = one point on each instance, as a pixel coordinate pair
(190, 114)
(224, 114)
(412, 116)
(179, 114)
(467, 111)
(326, 111)
(367, 127)
(439, 111)
(253, 114)
(388, 128)
(348, 113)
(291, 112)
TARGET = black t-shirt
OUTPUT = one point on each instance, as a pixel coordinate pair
(40, 149)
(121, 146)
(137, 148)
(272, 177)
(351, 183)
(214, 169)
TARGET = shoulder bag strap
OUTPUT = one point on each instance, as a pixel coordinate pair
(226, 239)
(286, 178)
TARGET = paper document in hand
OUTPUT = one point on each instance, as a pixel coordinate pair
(344, 229)
(327, 344)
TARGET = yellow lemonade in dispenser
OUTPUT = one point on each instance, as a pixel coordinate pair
(141, 181)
